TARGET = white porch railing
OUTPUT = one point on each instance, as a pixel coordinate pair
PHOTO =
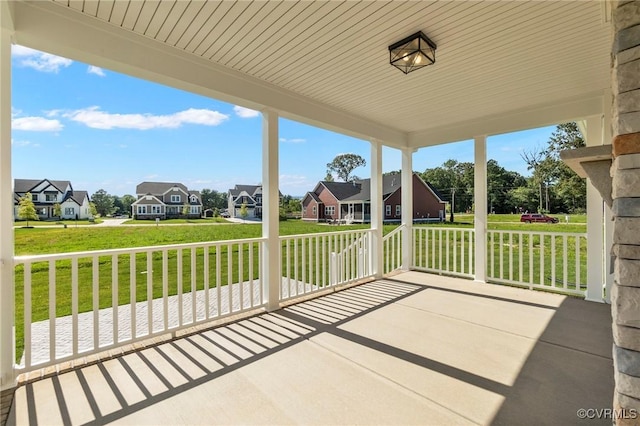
(443, 250)
(313, 262)
(554, 261)
(76, 304)
(392, 250)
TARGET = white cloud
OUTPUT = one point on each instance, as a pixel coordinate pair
(243, 112)
(294, 140)
(39, 61)
(509, 148)
(94, 118)
(92, 69)
(24, 143)
(36, 124)
(295, 184)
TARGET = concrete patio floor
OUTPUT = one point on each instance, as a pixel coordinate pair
(413, 349)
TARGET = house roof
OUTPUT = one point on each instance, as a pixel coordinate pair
(26, 185)
(158, 188)
(488, 77)
(360, 191)
(313, 195)
(249, 189)
(77, 196)
(197, 194)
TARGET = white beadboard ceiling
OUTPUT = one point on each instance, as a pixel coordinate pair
(500, 65)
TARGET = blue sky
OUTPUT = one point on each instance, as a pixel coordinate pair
(100, 129)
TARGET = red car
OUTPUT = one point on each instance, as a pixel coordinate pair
(536, 217)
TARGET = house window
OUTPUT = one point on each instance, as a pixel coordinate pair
(156, 209)
(69, 211)
(313, 211)
(330, 210)
(195, 209)
(398, 210)
(34, 197)
(175, 198)
(50, 197)
(387, 210)
(142, 209)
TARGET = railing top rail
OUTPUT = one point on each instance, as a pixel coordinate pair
(443, 228)
(325, 234)
(110, 252)
(557, 234)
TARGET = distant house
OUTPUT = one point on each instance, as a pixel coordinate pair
(46, 193)
(165, 200)
(351, 201)
(250, 196)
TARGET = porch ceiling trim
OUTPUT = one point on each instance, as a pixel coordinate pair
(48, 27)
(541, 116)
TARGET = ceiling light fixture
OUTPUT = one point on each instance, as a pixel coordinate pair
(414, 52)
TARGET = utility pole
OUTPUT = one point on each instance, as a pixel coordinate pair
(453, 203)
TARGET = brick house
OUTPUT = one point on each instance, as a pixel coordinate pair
(350, 201)
(165, 200)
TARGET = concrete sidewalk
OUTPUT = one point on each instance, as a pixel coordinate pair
(417, 349)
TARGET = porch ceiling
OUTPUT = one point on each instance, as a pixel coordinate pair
(500, 65)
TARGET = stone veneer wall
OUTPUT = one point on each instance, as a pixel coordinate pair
(625, 293)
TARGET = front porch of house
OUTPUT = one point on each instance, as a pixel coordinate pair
(412, 348)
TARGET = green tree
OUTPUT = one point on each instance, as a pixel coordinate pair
(127, 200)
(185, 210)
(26, 208)
(93, 212)
(569, 188)
(454, 180)
(500, 182)
(212, 199)
(328, 177)
(343, 164)
(103, 202)
(57, 210)
(244, 212)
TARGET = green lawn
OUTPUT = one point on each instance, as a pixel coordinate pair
(23, 223)
(207, 220)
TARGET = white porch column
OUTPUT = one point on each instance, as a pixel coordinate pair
(480, 212)
(595, 218)
(407, 207)
(7, 308)
(270, 273)
(377, 258)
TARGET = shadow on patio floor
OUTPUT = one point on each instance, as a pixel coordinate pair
(415, 349)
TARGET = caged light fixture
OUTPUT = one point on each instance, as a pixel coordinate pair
(412, 53)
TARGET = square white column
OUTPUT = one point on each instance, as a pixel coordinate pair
(270, 273)
(407, 208)
(480, 213)
(7, 304)
(377, 258)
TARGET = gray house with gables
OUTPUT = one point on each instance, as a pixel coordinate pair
(166, 200)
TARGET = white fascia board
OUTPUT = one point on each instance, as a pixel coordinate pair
(547, 115)
(172, 190)
(58, 30)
